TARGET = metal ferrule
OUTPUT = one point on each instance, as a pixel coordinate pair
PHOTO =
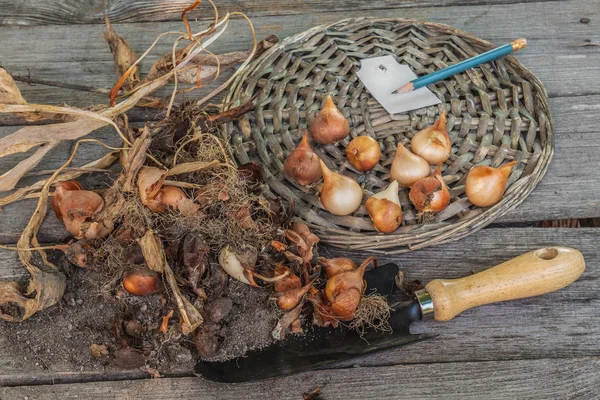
(518, 44)
(425, 303)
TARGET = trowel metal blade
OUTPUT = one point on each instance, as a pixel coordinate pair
(382, 75)
(319, 347)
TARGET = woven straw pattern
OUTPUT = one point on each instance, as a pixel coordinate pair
(497, 112)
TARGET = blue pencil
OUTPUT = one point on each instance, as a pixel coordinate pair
(462, 66)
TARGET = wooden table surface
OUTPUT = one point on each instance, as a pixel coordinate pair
(541, 348)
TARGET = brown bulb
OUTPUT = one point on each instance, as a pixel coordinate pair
(384, 209)
(430, 194)
(302, 165)
(330, 125)
(334, 266)
(363, 153)
(433, 143)
(142, 282)
(60, 188)
(485, 185)
(77, 207)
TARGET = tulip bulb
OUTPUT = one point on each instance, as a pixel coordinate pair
(290, 298)
(60, 188)
(330, 125)
(433, 143)
(142, 282)
(430, 194)
(363, 153)
(407, 168)
(384, 209)
(344, 291)
(341, 195)
(77, 207)
(333, 266)
(302, 165)
(485, 185)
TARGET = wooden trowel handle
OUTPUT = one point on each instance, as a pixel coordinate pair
(532, 274)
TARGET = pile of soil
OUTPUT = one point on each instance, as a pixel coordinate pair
(59, 338)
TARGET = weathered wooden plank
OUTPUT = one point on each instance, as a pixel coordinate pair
(78, 54)
(30, 12)
(569, 189)
(560, 324)
(528, 379)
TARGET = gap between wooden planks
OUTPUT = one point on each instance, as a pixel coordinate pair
(556, 325)
(569, 189)
(78, 53)
(493, 380)
(31, 12)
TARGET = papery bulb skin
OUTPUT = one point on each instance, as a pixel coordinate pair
(340, 195)
(433, 143)
(407, 167)
(77, 207)
(171, 196)
(330, 125)
(60, 188)
(486, 185)
(142, 283)
(302, 165)
(334, 266)
(431, 194)
(290, 298)
(363, 153)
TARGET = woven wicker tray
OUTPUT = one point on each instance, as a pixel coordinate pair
(496, 113)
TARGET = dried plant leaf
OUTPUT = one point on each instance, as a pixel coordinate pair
(47, 288)
(153, 251)
(205, 66)
(9, 179)
(123, 55)
(136, 156)
(32, 136)
(23, 193)
(154, 254)
(9, 92)
(194, 166)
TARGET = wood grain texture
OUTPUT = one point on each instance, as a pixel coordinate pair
(559, 324)
(31, 12)
(569, 189)
(494, 380)
(532, 274)
(79, 55)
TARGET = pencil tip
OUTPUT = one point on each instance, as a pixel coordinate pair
(395, 91)
(408, 87)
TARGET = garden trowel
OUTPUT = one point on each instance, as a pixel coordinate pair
(532, 274)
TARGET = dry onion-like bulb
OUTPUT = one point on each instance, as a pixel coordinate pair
(485, 185)
(430, 194)
(77, 207)
(143, 282)
(330, 125)
(149, 182)
(333, 266)
(433, 143)
(60, 188)
(407, 168)
(238, 263)
(302, 165)
(290, 298)
(340, 195)
(344, 291)
(363, 153)
(384, 209)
